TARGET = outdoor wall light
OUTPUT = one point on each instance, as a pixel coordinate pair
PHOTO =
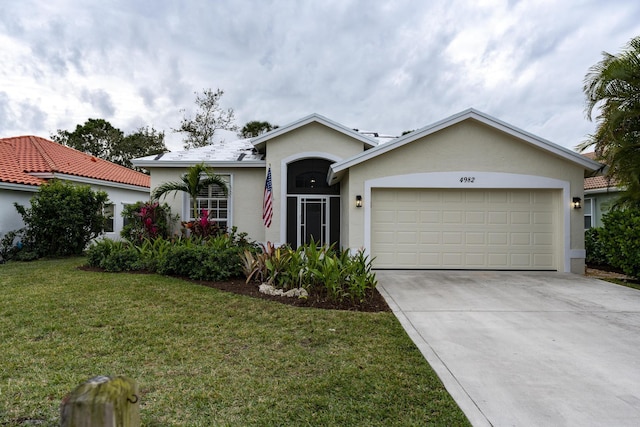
(358, 201)
(576, 203)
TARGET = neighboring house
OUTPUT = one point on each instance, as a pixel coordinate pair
(467, 192)
(26, 162)
(600, 193)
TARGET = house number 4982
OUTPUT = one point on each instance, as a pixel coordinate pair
(468, 179)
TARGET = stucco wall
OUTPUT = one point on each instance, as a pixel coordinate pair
(10, 219)
(470, 146)
(602, 203)
(120, 197)
(312, 140)
(247, 187)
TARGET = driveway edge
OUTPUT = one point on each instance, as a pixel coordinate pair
(451, 384)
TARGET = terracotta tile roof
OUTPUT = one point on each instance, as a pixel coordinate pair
(596, 182)
(22, 156)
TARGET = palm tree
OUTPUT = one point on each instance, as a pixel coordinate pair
(613, 86)
(197, 178)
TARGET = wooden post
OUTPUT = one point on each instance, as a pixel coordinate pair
(102, 402)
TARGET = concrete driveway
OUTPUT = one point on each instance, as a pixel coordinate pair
(525, 348)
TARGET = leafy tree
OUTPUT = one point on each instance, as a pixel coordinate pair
(62, 219)
(199, 130)
(96, 137)
(256, 128)
(100, 139)
(613, 86)
(197, 178)
(145, 141)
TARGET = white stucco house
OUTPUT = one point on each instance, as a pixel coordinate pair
(26, 162)
(467, 192)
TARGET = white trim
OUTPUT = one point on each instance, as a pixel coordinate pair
(609, 190)
(259, 141)
(483, 180)
(18, 187)
(186, 201)
(284, 164)
(325, 201)
(337, 169)
(186, 163)
(91, 181)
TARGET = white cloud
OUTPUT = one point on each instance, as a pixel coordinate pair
(388, 66)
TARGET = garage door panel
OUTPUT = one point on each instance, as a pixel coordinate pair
(429, 237)
(543, 239)
(385, 216)
(498, 238)
(407, 259)
(520, 260)
(479, 229)
(542, 260)
(452, 197)
(517, 197)
(451, 238)
(452, 260)
(475, 260)
(521, 217)
(475, 238)
(384, 237)
(519, 239)
(407, 216)
(431, 217)
(543, 218)
(407, 237)
(452, 217)
(497, 218)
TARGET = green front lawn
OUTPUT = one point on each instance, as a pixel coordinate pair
(204, 357)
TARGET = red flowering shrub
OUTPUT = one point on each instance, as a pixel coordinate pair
(204, 226)
(147, 220)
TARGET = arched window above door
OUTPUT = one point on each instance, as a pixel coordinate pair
(309, 176)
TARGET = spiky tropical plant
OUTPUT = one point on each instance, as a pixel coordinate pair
(613, 86)
(197, 178)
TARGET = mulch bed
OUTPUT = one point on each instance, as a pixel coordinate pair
(606, 272)
(373, 303)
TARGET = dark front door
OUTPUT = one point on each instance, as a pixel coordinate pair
(313, 207)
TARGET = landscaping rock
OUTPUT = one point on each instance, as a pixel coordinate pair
(292, 293)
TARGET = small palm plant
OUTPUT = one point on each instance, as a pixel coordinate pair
(197, 178)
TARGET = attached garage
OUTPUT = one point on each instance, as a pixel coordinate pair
(468, 192)
(506, 229)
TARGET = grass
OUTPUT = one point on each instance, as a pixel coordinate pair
(621, 282)
(204, 357)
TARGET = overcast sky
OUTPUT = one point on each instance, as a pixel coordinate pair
(385, 66)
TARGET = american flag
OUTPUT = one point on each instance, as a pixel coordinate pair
(267, 202)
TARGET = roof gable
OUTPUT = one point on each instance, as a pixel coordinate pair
(338, 168)
(30, 160)
(261, 140)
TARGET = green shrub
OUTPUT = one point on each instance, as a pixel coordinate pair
(596, 252)
(338, 274)
(114, 255)
(126, 259)
(11, 244)
(620, 237)
(62, 219)
(213, 258)
(147, 220)
(200, 262)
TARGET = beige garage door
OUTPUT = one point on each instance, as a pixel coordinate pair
(464, 229)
